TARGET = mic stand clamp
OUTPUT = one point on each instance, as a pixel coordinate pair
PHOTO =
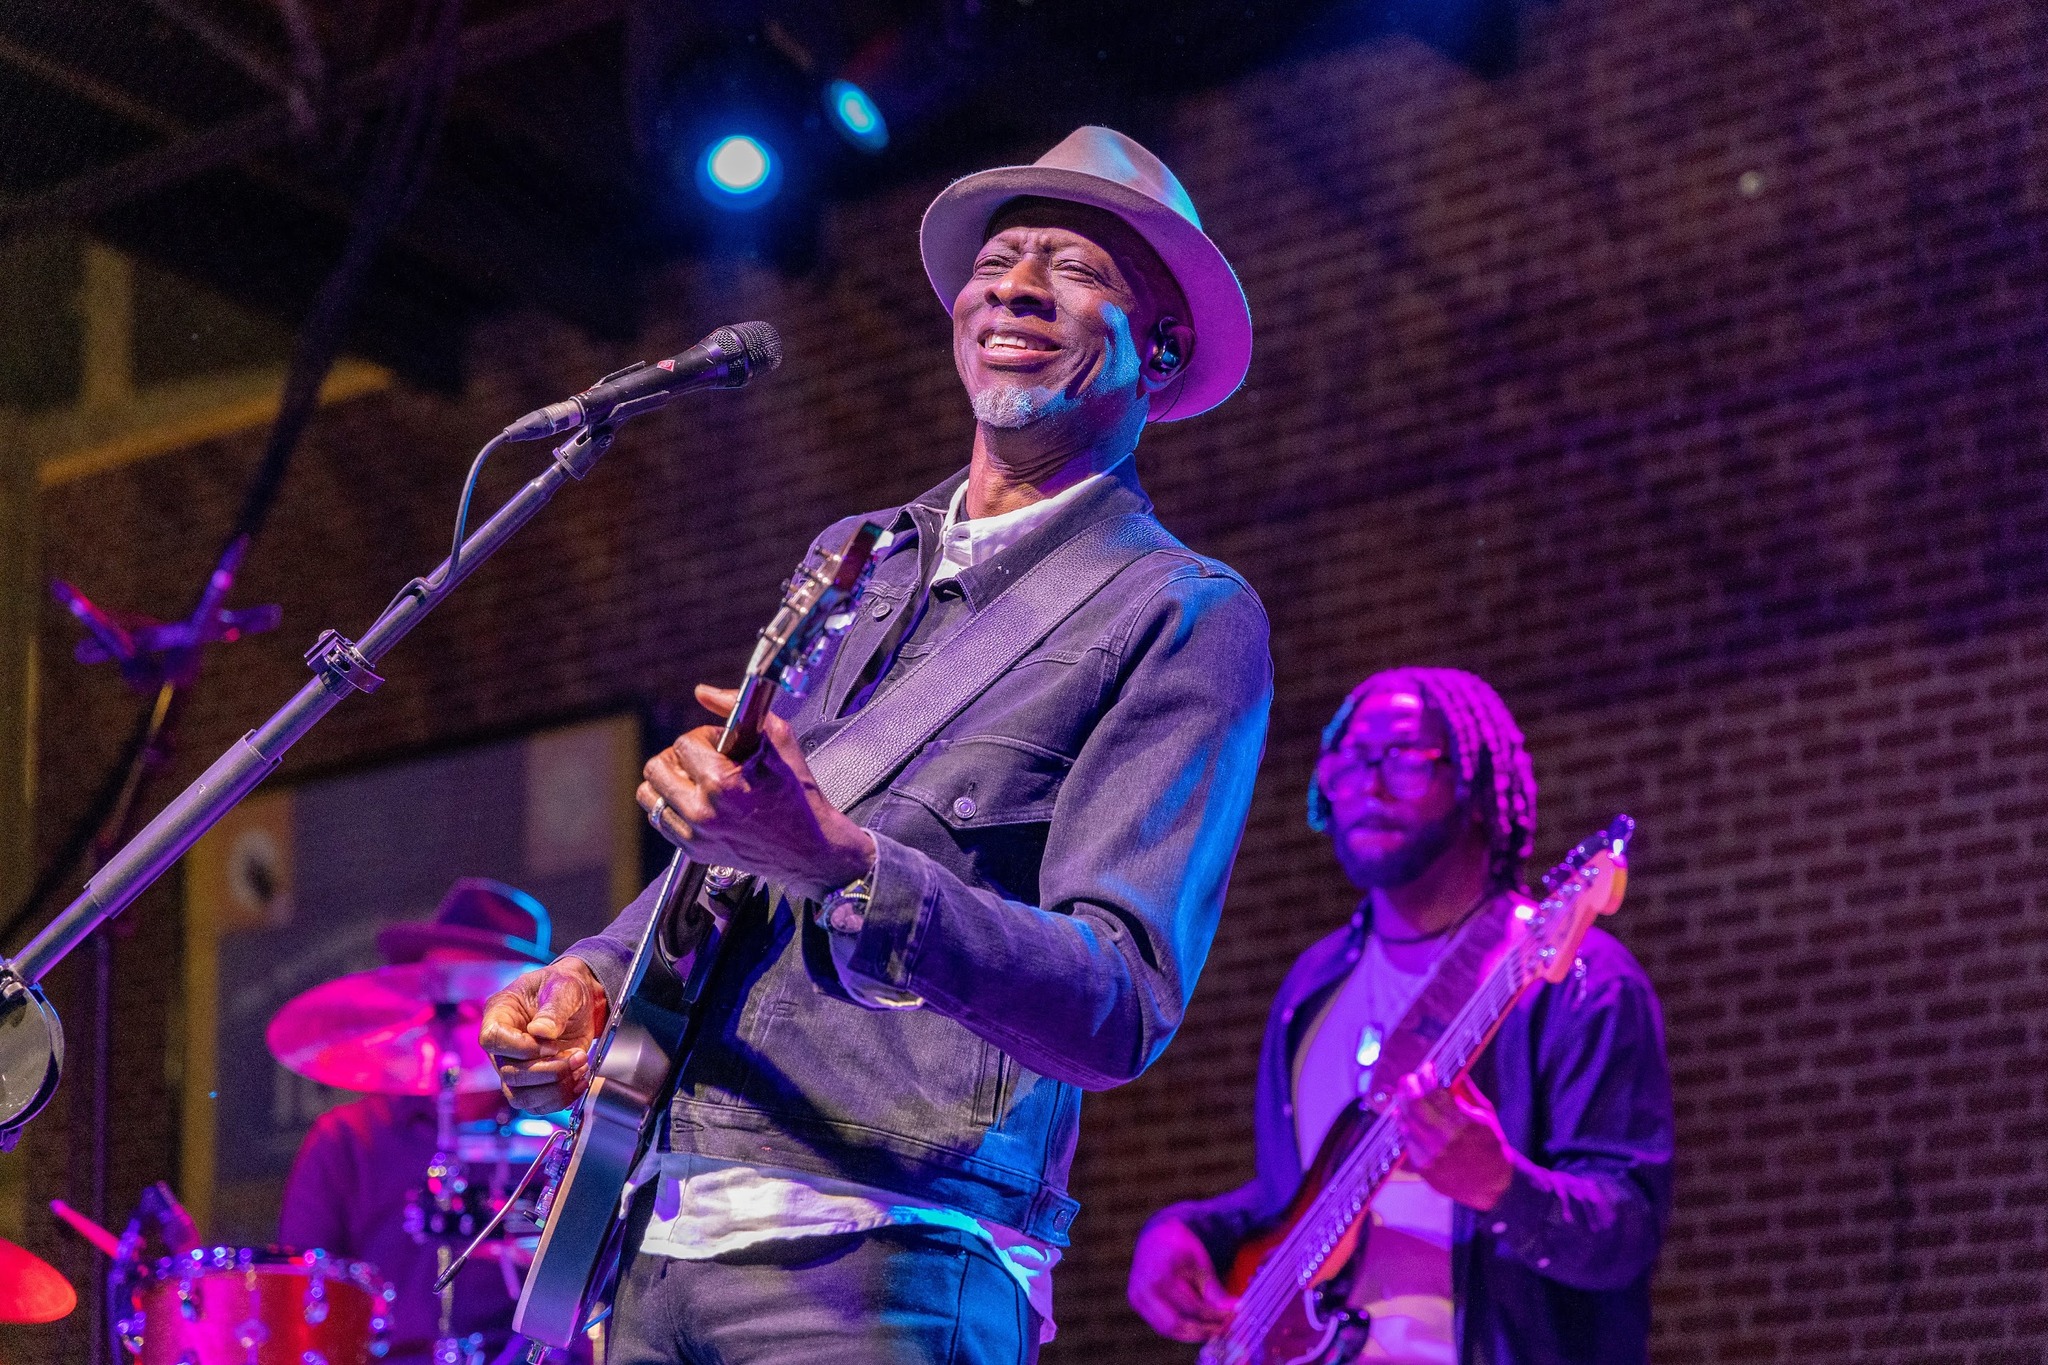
(341, 665)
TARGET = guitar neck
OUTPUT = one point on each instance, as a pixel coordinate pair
(743, 727)
(684, 879)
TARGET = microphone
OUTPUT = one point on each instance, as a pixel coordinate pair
(726, 359)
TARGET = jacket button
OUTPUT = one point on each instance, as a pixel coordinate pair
(1543, 1263)
(879, 609)
(1500, 1229)
(964, 808)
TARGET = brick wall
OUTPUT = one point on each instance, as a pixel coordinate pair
(1686, 382)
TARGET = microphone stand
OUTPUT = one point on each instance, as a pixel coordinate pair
(31, 1041)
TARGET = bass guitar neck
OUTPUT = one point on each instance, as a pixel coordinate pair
(1288, 1282)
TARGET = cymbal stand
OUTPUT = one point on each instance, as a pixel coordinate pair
(441, 1211)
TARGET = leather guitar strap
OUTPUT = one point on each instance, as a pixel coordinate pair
(869, 749)
(1451, 983)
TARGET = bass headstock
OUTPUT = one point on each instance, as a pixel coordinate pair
(1589, 883)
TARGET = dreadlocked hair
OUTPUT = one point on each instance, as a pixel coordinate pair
(1486, 744)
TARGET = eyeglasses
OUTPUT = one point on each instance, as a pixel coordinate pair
(1406, 769)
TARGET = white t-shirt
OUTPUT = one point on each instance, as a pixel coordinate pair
(1404, 1282)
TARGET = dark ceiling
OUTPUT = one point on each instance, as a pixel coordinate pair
(229, 140)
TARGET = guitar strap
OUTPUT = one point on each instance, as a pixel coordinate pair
(1456, 976)
(868, 750)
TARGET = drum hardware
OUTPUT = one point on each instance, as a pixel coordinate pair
(221, 1305)
(410, 1029)
(440, 1211)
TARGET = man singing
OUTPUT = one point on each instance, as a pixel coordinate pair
(1523, 1224)
(867, 1153)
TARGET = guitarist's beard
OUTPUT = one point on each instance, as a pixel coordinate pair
(1407, 860)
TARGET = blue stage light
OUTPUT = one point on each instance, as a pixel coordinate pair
(855, 116)
(739, 172)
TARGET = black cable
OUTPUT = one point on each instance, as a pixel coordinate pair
(476, 469)
(398, 173)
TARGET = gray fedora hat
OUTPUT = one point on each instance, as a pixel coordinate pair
(1102, 167)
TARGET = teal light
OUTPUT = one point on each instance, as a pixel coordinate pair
(739, 172)
(855, 116)
(738, 165)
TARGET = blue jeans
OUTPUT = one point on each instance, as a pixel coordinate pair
(920, 1296)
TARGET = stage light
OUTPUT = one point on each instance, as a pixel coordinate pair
(855, 116)
(738, 172)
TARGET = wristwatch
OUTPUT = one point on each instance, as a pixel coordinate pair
(845, 910)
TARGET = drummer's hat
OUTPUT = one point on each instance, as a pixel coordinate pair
(478, 915)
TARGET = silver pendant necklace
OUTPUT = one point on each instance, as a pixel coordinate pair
(1372, 1036)
(1382, 1013)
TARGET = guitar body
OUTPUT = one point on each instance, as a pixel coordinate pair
(580, 1216)
(1314, 1327)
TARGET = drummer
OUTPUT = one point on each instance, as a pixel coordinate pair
(361, 1163)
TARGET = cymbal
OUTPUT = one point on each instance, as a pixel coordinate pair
(31, 1290)
(385, 1031)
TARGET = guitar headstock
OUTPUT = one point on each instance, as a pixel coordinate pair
(812, 612)
(1589, 883)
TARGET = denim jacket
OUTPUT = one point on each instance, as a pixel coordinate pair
(1051, 868)
(1558, 1272)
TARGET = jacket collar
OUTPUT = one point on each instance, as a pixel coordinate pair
(921, 518)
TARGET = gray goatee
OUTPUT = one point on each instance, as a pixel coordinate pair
(1008, 408)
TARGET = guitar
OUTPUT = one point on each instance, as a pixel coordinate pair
(1289, 1312)
(635, 1061)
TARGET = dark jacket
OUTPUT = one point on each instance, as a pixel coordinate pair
(1559, 1272)
(1051, 870)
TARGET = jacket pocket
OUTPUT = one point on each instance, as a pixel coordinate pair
(985, 781)
(992, 1091)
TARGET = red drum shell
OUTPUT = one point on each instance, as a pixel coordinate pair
(210, 1307)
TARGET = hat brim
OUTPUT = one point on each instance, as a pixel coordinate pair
(410, 942)
(956, 227)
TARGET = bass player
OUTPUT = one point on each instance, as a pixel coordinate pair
(1525, 1219)
(867, 1154)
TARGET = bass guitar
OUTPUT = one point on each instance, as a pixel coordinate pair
(635, 1061)
(1290, 1303)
